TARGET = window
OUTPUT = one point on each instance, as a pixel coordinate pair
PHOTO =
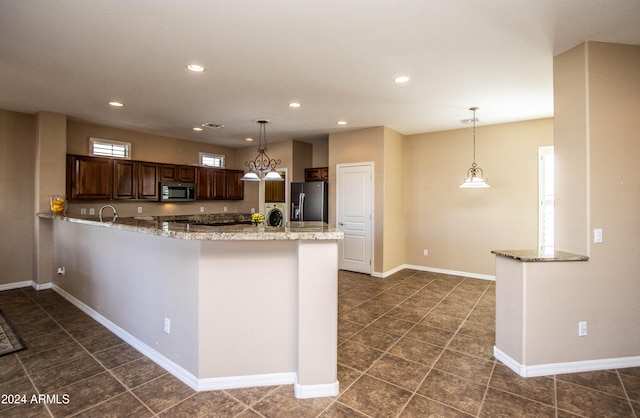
(109, 148)
(546, 193)
(211, 160)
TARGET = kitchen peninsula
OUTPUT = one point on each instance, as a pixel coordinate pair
(218, 306)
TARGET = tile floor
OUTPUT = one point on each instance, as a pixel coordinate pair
(415, 344)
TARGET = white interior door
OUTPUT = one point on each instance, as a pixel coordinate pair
(354, 216)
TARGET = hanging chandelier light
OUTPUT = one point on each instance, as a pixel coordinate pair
(475, 176)
(262, 167)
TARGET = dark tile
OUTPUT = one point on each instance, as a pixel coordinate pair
(400, 372)
(283, 403)
(392, 325)
(479, 330)
(163, 392)
(421, 407)
(138, 372)
(632, 386)
(411, 314)
(53, 378)
(87, 330)
(417, 351)
(31, 410)
(454, 391)
(124, 405)
(251, 395)
(101, 342)
(55, 356)
(347, 329)
(589, 402)
(375, 338)
(10, 368)
(75, 319)
(602, 380)
(21, 387)
(347, 376)
(338, 410)
(357, 356)
(471, 346)
(483, 315)
(203, 404)
(375, 398)
(360, 316)
(45, 342)
(86, 393)
(35, 325)
(631, 371)
(430, 335)
(541, 389)
(462, 365)
(502, 404)
(445, 322)
(118, 355)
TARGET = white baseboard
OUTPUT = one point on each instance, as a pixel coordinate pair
(216, 383)
(316, 391)
(567, 367)
(26, 283)
(436, 270)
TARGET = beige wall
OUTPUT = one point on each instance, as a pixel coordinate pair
(364, 145)
(460, 227)
(598, 149)
(393, 244)
(17, 178)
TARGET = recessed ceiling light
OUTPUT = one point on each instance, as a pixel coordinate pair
(342, 122)
(195, 68)
(294, 104)
(197, 128)
(212, 125)
(249, 139)
(116, 104)
(401, 79)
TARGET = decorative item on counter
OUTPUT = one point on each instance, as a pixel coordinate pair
(257, 218)
(58, 204)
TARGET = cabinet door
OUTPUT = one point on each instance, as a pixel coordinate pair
(274, 191)
(187, 174)
(219, 183)
(316, 174)
(89, 177)
(203, 183)
(235, 186)
(124, 180)
(168, 172)
(148, 188)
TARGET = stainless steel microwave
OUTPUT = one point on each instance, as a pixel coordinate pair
(177, 192)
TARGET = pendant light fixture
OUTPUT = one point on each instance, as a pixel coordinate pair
(262, 167)
(475, 176)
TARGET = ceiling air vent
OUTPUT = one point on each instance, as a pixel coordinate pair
(212, 125)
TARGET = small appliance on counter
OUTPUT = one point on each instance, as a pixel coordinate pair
(177, 192)
(310, 201)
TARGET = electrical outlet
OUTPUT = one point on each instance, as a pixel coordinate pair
(253, 210)
(60, 271)
(225, 208)
(92, 211)
(83, 211)
(201, 209)
(426, 252)
(139, 209)
(167, 325)
(582, 328)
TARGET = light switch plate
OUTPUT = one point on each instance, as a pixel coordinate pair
(597, 235)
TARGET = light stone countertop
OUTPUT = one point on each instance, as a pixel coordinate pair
(536, 256)
(194, 231)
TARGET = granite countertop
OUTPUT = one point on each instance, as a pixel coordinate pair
(535, 255)
(190, 227)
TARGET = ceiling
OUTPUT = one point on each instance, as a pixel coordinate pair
(337, 58)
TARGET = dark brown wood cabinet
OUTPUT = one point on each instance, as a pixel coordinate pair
(316, 174)
(203, 183)
(235, 186)
(184, 173)
(274, 191)
(125, 180)
(89, 178)
(148, 181)
(219, 184)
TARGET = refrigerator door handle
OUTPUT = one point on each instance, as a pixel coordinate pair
(301, 202)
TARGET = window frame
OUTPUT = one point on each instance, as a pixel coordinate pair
(110, 142)
(203, 155)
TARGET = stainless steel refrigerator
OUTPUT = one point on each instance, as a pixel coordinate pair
(309, 201)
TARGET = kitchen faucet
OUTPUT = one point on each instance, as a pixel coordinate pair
(115, 214)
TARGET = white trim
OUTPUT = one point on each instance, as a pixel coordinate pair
(26, 283)
(567, 367)
(435, 270)
(316, 391)
(215, 383)
(235, 382)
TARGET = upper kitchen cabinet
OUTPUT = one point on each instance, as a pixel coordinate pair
(219, 185)
(89, 177)
(203, 183)
(316, 174)
(235, 186)
(124, 180)
(147, 181)
(183, 173)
